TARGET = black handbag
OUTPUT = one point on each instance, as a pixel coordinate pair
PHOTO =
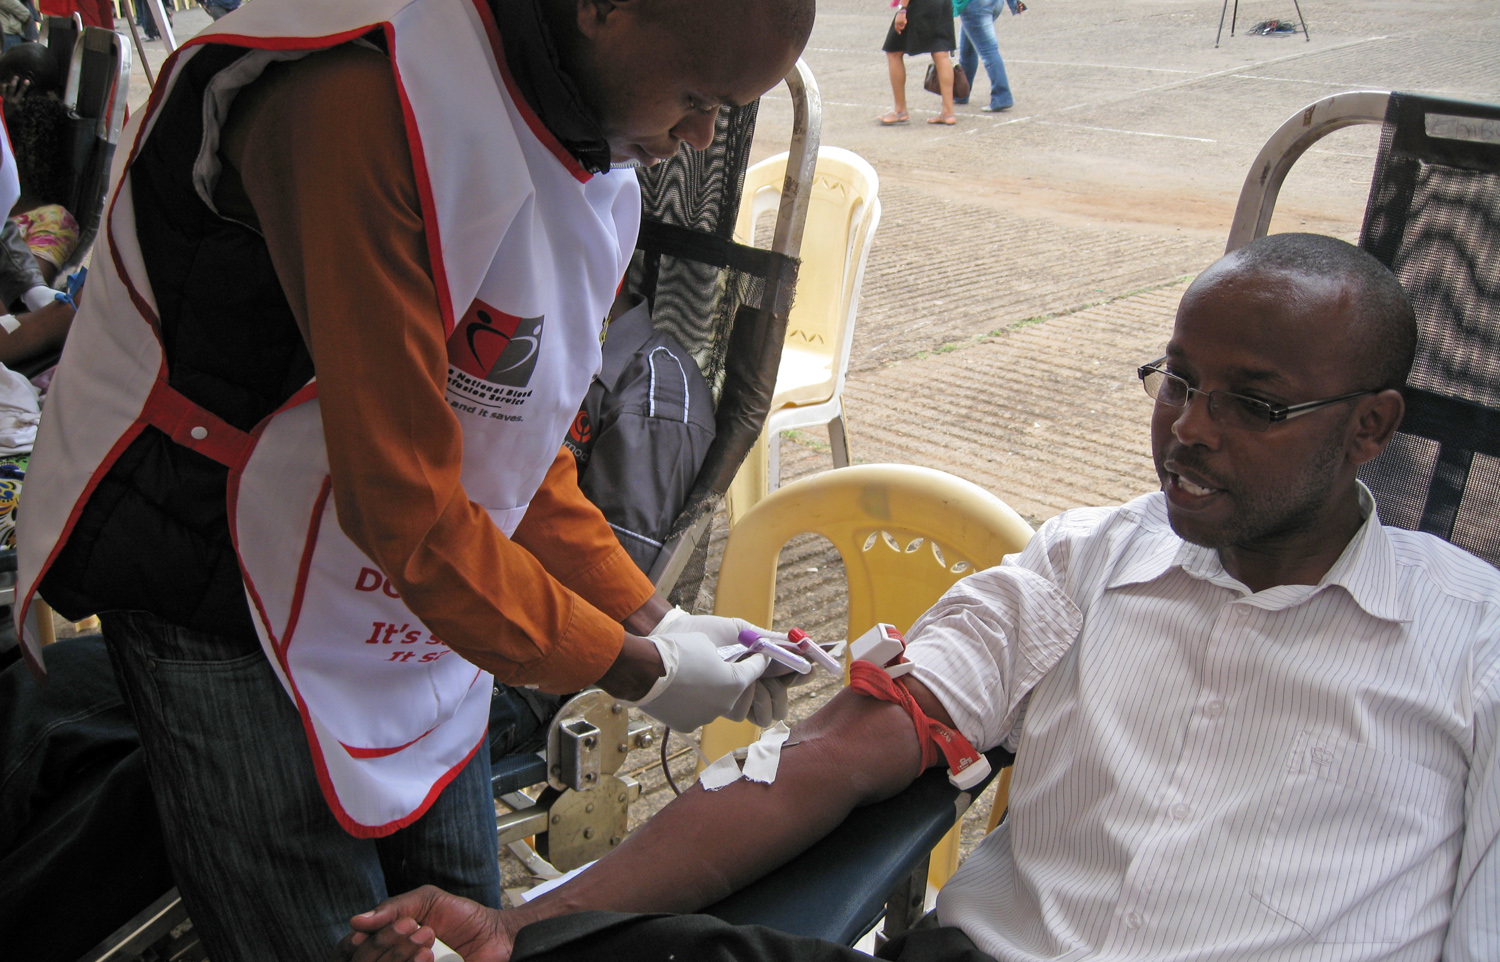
(960, 81)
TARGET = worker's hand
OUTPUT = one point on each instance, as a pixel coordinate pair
(768, 699)
(699, 685)
(404, 927)
(725, 632)
(769, 703)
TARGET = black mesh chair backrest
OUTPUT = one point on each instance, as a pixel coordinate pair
(1434, 219)
(101, 62)
(62, 34)
(726, 303)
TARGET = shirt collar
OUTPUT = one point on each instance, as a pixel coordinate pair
(1366, 569)
(534, 64)
(625, 335)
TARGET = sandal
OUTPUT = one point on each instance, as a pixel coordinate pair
(950, 121)
(892, 119)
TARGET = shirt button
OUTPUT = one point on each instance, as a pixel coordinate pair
(199, 433)
(1214, 708)
(1133, 920)
(1181, 811)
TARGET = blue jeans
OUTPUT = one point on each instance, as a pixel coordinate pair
(264, 870)
(978, 42)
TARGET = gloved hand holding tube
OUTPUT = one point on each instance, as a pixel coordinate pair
(699, 685)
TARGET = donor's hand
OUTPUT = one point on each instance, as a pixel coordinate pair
(404, 927)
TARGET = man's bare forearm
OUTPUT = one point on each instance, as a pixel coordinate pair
(854, 751)
(705, 845)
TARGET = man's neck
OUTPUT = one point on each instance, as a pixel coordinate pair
(536, 38)
(1299, 557)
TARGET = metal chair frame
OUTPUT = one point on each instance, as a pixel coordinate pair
(1252, 215)
(786, 239)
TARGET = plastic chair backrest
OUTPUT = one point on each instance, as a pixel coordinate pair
(905, 534)
(842, 215)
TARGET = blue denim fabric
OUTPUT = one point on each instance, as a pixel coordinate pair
(264, 869)
(217, 8)
(978, 42)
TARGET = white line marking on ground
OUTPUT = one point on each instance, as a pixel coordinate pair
(1101, 66)
(1137, 133)
(1298, 80)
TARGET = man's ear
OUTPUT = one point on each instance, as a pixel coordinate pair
(1375, 421)
(593, 14)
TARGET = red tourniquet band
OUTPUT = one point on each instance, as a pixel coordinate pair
(868, 678)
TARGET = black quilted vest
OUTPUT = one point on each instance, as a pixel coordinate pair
(154, 534)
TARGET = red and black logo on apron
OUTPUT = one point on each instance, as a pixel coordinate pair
(495, 346)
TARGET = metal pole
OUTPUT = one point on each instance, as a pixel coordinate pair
(1305, 37)
(168, 39)
(140, 46)
(1222, 10)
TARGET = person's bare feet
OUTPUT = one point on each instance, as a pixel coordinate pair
(949, 120)
(892, 119)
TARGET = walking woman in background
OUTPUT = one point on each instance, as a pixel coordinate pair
(920, 26)
(977, 28)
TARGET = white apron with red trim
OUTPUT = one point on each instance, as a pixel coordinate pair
(528, 244)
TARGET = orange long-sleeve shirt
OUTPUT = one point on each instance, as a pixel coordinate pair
(316, 155)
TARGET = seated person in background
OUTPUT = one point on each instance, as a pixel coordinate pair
(39, 331)
(1251, 721)
(15, 16)
(39, 236)
(37, 120)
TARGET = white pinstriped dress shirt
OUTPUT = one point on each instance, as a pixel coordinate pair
(1304, 773)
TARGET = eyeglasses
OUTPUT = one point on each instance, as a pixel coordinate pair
(1232, 410)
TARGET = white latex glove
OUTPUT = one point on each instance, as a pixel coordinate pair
(699, 685)
(723, 631)
(767, 702)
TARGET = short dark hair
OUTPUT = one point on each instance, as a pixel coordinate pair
(1382, 307)
(791, 19)
(34, 62)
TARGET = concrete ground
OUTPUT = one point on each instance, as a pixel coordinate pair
(1027, 262)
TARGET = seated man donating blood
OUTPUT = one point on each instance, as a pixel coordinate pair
(1251, 721)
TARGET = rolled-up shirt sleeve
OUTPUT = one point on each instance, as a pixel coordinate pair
(988, 641)
(322, 155)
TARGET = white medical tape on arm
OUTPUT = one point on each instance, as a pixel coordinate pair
(725, 771)
(765, 755)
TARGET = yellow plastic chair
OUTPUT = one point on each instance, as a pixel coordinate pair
(905, 535)
(842, 215)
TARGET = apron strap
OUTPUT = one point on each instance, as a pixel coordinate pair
(194, 427)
